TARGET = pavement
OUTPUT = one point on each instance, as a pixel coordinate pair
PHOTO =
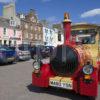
(15, 84)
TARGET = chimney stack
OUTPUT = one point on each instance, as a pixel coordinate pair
(67, 28)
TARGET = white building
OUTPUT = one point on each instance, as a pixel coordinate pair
(52, 37)
(60, 37)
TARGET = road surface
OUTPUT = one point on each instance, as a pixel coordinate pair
(15, 84)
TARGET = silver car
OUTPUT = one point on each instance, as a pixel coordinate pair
(22, 52)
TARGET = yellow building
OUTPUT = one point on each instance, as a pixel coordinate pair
(85, 28)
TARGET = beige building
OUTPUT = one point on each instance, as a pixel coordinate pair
(29, 24)
(31, 28)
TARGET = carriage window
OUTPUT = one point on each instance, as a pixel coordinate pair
(86, 39)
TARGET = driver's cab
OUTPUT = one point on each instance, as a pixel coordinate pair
(90, 42)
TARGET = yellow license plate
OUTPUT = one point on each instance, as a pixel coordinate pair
(65, 83)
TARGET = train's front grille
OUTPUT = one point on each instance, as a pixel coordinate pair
(64, 61)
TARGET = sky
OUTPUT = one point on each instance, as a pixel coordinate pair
(53, 10)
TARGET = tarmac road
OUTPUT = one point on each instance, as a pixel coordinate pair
(15, 84)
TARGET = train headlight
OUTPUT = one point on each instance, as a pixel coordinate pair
(36, 65)
(88, 69)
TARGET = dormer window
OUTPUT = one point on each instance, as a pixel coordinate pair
(12, 22)
(33, 19)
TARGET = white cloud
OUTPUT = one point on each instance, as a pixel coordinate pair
(46, 0)
(52, 19)
(91, 13)
(6, 1)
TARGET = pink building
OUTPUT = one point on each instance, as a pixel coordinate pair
(9, 34)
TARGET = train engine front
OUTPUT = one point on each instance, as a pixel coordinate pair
(70, 67)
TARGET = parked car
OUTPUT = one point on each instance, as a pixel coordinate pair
(35, 51)
(7, 55)
(23, 52)
(41, 51)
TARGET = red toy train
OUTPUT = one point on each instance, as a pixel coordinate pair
(72, 66)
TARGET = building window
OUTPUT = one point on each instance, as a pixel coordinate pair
(14, 32)
(5, 42)
(39, 37)
(40, 29)
(50, 31)
(26, 35)
(5, 30)
(46, 38)
(31, 36)
(14, 42)
(36, 28)
(45, 43)
(36, 36)
(46, 31)
(59, 37)
(51, 38)
(26, 26)
(12, 22)
(31, 27)
(9, 43)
